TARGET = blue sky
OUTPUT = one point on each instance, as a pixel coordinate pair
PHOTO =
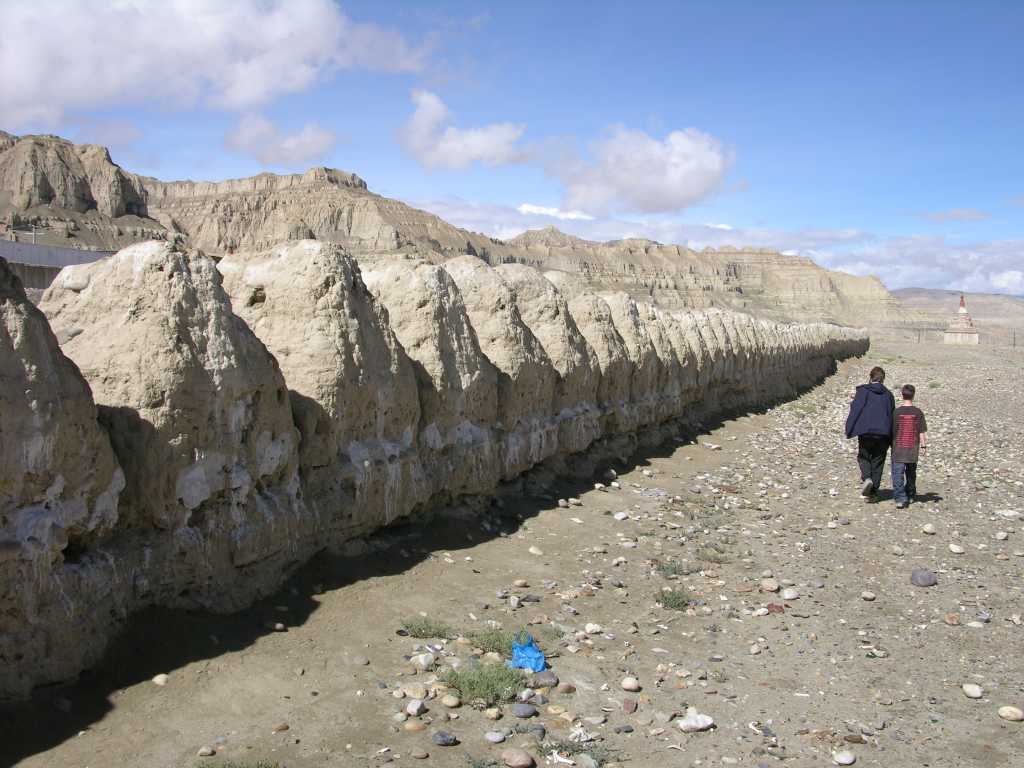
(877, 138)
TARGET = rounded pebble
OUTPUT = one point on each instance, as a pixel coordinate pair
(630, 684)
(972, 691)
(869, 596)
(922, 577)
(844, 758)
(1013, 714)
(517, 758)
(444, 739)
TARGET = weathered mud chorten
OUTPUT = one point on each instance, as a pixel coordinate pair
(194, 438)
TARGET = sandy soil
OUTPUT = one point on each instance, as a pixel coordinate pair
(821, 673)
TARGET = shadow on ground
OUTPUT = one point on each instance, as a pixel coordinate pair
(159, 640)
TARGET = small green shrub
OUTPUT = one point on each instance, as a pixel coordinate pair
(670, 568)
(491, 683)
(426, 628)
(494, 640)
(674, 599)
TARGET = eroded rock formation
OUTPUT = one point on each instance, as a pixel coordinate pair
(81, 197)
(297, 402)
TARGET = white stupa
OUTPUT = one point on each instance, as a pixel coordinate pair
(961, 328)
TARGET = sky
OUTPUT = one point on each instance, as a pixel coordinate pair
(875, 137)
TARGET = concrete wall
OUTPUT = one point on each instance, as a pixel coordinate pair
(38, 265)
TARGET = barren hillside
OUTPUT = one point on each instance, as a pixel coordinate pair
(76, 195)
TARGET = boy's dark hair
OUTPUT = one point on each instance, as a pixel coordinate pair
(908, 391)
(877, 374)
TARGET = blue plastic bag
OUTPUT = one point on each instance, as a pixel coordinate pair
(526, 654)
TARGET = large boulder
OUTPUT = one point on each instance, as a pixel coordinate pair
(59, 487)
(353, 388)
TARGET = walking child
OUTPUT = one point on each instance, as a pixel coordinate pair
(909, 438)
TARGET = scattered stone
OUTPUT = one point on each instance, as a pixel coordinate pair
(419, 754)
(868, 596)
(415, 708)
(160, 679)
(206, 751)
(521, 710)
(543, 679)
(517, 758)
(630, 684)
(928, 528)
(694, 722)
(444, 739)
(972, 691)
(451, 701)
(922, 577)
(1013, 714)
(360, 661)
(956, 549)
(790, 593)
(624, 728)
(495, 737)
(844, 758)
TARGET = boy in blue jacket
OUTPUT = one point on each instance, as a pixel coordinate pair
(870, 421)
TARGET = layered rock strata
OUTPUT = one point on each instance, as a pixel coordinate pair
(79, 197)
(216, 432)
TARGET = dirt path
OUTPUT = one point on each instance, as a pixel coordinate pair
(789, 680)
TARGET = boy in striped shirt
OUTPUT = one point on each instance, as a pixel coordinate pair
(909, 433)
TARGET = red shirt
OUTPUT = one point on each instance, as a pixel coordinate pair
(907, 425)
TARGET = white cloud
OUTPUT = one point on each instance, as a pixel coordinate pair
(934, 262)
(554, 213)
(631, 171)
(62, 56)
(429, 139)
(958, 214)
(257, 136)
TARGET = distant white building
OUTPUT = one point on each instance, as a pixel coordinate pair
(961, 328)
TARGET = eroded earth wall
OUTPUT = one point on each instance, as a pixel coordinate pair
(177, 432)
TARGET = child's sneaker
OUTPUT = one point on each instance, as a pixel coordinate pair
(867, 488)
(901, 505)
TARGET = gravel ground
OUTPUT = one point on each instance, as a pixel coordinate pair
(796, 627)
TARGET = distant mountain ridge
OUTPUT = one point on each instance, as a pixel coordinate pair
(81, 197)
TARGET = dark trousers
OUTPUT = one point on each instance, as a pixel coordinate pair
(871, 450)
(904, 481)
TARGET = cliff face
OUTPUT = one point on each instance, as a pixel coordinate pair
(85, 199)
(195, 437)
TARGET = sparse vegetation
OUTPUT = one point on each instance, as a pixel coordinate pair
(934, 385)
(669, 569)
(674, 599)
(480, 762)
(490, 683)
(599, 752)
(235, 764)
(712, 554)
(425, 628)
(494, 640)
